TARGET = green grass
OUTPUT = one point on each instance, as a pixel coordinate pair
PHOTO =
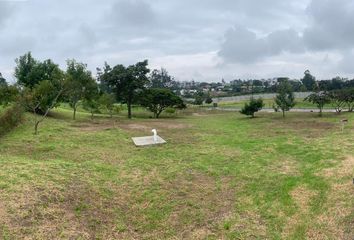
(220, 176)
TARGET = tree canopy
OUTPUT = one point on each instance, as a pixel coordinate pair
(80, 84)
(126, 82)
(158, 99)
(160, 79)
(309, 81)
(285, 98)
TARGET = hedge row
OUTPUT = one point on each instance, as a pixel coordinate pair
(10, 118)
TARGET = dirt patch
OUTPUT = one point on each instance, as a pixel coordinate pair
(308, 129)
(299, 125)
(75, 212)
(155, 124)
(95, 126)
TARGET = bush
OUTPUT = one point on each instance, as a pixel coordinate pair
(10, 118)
(252, 107)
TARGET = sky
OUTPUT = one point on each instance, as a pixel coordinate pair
(201, 40)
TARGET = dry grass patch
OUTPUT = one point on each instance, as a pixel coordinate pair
(77, 211)
(340, 203)
(302, 197)
(201, 204)
(286, 166)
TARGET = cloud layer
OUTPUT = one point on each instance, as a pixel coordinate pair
(202, 40)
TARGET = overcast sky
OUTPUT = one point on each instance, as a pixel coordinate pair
(204, 40)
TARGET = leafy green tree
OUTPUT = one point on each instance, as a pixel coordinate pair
(92, 105)
(252, 107)
(349, 98)
(91, 99)
(44, 96)
(43, 84)
(199, 98)
(80, 82)
(160, 79)
(320, 99)
(8, 94)
(285, 99)
(338, 99)
(159, 99)
(107, 101)
(2, 80)
(126, 82)
(309, 81)
(29, 71)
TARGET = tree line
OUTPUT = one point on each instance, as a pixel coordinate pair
(285, 99)
(41, 86)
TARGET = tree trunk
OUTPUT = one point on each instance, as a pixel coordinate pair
(36, 128)
(283, 114)
(74, 114)
(129, 104)
(92, 115)
(320, 112)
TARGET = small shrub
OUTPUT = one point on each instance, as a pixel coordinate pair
(10, 118)
(252, 107)
(170, 110)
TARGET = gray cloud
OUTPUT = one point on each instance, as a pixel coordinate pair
(243, 45)
(185, 36)
(6, 9)
(332, 25)
(132, 13)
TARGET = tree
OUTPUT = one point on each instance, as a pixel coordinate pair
(30, 71)
(285, 99)
(199, 98)
(43, 84)
(320, 99)
(349, 98)
(43, 96)
(91, 98)
(160, 79)
(107, 101)
(252, 107)
(92, 106)
(338, 99)
(158, 99)
(79, 83)
(127, 82)
(309, 81)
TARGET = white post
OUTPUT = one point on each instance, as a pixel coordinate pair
(155, 135)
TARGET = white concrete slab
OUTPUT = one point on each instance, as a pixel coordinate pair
(147, 141)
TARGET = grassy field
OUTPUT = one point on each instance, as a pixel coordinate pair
(220, 176)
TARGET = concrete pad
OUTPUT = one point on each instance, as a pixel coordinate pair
(147, 141)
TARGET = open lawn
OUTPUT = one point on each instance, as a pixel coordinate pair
(220, 176)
